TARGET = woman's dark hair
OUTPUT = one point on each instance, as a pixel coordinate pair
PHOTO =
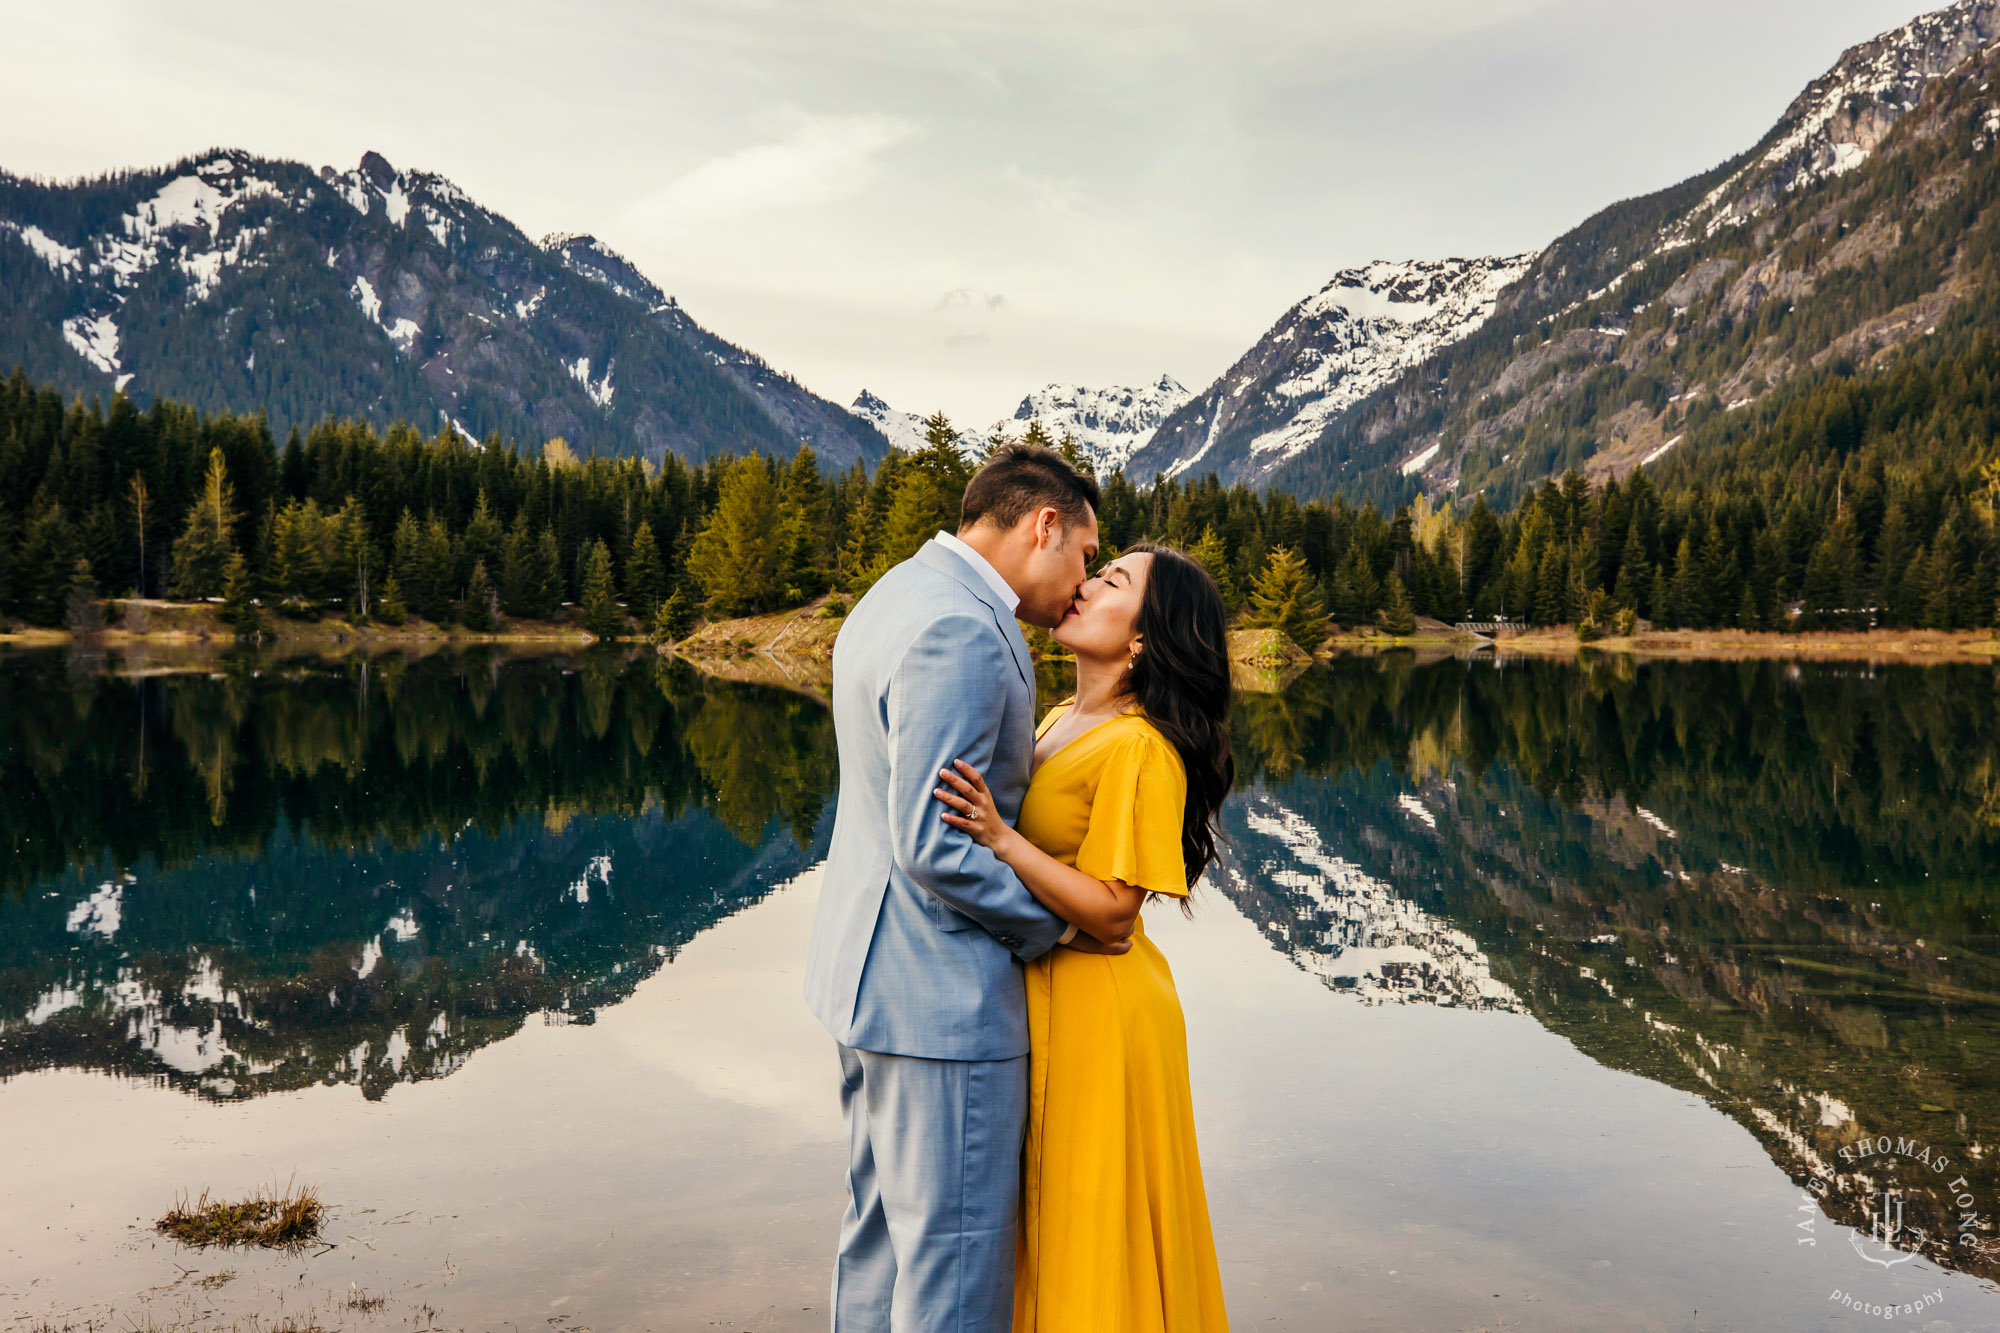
(1181, 679)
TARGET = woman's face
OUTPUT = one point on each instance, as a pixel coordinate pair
(1103, 622)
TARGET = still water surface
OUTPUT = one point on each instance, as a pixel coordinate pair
(1528, 996)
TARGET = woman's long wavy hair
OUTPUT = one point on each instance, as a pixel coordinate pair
(1181, 679)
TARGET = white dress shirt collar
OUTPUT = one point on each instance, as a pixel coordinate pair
(983, 568)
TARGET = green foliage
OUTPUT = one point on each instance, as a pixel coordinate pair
(738, 555)
(239, 607)
(645, 575)
(602, 615)
(1286, 600)
(390, 608)
(482, 601)
(1397, 616)
(674, 620)
(202, 552)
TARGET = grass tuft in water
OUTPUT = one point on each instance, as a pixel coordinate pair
(287, 1220)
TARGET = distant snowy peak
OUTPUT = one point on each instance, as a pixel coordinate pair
(1835, 124)
(1328, 352)
(903, 430)
(591, 258)
(1108, 424)
(405, 198)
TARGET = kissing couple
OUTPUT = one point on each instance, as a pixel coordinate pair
(1014, 1076)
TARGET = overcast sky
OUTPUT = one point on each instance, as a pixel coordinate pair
(954, 203)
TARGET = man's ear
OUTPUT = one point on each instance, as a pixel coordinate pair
(1049, 530)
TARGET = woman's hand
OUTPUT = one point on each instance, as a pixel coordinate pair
(972, 807)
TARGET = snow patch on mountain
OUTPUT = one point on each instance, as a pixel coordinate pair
(1328, 352)
(1109, 425)
(95, 338)
(59, 257)
(600, 391)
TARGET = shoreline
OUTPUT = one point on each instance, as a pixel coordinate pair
(794, 649)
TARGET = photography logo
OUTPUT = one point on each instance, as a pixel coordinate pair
(1898, 1199)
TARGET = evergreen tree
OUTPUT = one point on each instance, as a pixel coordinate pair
(1286, 599)
(202, 551)
(602, 615)
(83, 614)
(406, 560)
(1398, 617)
(674, 620)
(49, 550)
(1356, 591)
(548, 584)
(645, 576)
(520, 577)
(390, 608)
(1661, 599)
(434, 589)
(483, 536)
(1551, 580)
(239, 606)
(1634, 570)
(1213, 556)
(915, 515)
(482, 601)
(1686, 595)
(738, 557)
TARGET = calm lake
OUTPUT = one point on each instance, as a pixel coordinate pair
(1530, 995)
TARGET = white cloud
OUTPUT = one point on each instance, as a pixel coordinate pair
(825, 158)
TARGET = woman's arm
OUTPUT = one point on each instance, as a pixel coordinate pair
(1106, 909)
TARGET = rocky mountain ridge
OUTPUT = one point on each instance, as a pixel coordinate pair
(1668, 324)
(1325, 354)
(229, 280)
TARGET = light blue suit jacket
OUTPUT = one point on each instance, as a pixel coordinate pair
(918, 928)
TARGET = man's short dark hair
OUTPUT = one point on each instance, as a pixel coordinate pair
(1022, 478)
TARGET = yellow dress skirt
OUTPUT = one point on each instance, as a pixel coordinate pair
(1114, 1221)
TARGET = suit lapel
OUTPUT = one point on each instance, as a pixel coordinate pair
(947, 561)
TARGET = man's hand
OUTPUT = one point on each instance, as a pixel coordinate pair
(1087, 943)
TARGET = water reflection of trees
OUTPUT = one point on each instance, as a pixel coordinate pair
(362, 872)
(1771, 886)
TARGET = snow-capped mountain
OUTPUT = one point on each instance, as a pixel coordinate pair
(232, 281)
(1110, 425)
(1836, 123)
(1107, 424)
(903, 430)
(1846, 232)
(1353, 336)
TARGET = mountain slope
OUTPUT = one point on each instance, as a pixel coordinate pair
(1326, 353)
(228, 279)
(1667, 325)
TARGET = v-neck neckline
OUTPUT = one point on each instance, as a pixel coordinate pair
(1091, 730)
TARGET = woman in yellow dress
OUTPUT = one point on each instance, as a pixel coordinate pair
(1127, 781)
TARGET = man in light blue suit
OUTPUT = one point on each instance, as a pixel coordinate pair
(916, 950)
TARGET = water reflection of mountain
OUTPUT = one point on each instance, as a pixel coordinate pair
(1767, 885)
(364, 873)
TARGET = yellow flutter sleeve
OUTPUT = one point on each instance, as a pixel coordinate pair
(1135, 817)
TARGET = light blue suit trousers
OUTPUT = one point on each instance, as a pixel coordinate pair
(934, 1175)
(915, 963)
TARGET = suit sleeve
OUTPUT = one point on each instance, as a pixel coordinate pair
(935, 714)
